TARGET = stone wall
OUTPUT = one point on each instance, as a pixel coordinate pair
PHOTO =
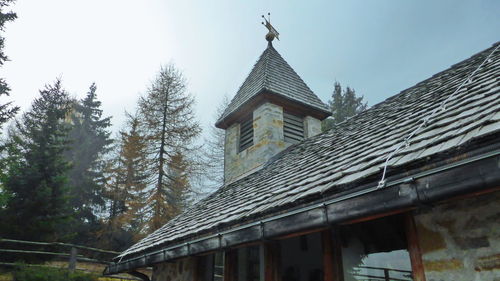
(312, 126)
(460, 240)
(181, 270)
(268, 140)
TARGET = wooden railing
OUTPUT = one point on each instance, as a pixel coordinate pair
(71, 255)
(403, 275)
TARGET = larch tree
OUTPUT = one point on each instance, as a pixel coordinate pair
(214, 151)
(166, 112)
(126, 187)
(90, 141)
(37, 176)
(343, 104)
(178, 175)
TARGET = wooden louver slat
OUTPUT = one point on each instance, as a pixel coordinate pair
(293, 128)
(293, 123)
(294, 134)
(246, 134)
(292, 117)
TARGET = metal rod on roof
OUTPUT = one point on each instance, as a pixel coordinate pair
(442, 107)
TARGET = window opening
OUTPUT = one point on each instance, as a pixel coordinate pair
(245, 264)
(249, 264)
(218, 266)
(293, 128)
(301, 258)
(376, 250)
(211, 267)
(246, 134)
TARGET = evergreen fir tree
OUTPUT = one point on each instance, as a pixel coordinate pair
(344, 104)
(90, 141)
(7, 111)
(36, 178)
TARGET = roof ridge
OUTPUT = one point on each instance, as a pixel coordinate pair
(293, 70)
(266, 65)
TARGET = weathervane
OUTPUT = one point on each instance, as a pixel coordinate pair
(272, 31)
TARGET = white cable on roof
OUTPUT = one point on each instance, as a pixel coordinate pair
(425, 120)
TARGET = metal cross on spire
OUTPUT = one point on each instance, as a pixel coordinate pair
(273, 33)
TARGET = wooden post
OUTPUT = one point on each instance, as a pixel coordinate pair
(332, 259)
(414, 248)
(72, 259)
(386, 274)
(198, 268)
(230, 265)
(272, 260)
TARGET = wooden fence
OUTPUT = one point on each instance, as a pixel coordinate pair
(70, 256)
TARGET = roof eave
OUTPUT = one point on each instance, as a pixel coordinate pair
(402, 192)
(267, 95)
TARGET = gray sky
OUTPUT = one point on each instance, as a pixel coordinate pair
(377, 47)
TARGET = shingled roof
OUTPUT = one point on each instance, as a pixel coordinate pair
(353, 152)
(272, 74)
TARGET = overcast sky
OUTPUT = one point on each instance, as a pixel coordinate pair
(377, 47)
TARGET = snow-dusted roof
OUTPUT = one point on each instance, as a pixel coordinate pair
(352, 153)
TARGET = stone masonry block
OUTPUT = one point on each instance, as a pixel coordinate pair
(443, 265)
(312, 126)
(429, 240)
(491, 262)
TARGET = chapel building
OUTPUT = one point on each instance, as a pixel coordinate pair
(407, 190)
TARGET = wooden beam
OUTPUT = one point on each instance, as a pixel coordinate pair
(377, 216)
(469, 195)
(332, 256)
(300, 233)
(272, 261)
(414, 248)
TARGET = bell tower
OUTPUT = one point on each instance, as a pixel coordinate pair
(272, 110)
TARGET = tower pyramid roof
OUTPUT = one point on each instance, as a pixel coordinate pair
(273, 76)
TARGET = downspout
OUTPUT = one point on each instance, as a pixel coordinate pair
(139, 275)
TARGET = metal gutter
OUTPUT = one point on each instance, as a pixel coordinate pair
(429, 186)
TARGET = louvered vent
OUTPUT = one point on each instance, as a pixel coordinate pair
(246, 134)
(293, 128)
